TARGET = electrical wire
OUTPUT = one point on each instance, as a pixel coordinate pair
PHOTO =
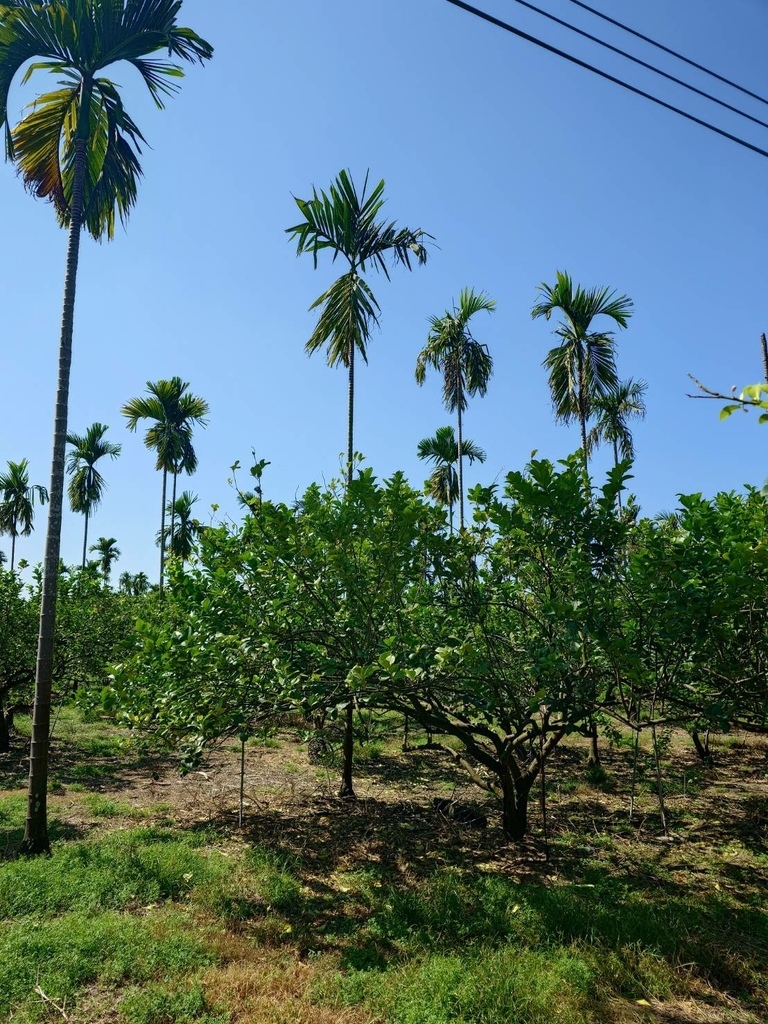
(673, 53)
(604, 74)
(642, 63)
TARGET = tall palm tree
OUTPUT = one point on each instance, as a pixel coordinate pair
(17, 502)
(181, 542)
(174, 412)
(344, 221)
(612, 415)
(582, 368)
(466, 364)
(78, 147)
(87, 485)
(443, 451)
(108, 551)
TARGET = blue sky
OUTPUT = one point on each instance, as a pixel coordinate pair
(518, 163)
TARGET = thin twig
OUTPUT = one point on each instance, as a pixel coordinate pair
(52, 1002)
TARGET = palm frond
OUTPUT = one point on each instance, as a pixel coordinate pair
(349, 310)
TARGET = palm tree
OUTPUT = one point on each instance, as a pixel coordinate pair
(125, 583)
(17, 502)
(443, 451)
(140, 584)
(108, 551)
(612, 412)
(466, 364)
(78, 147)
(344, 221)
(181, 542)
(582, 368)
(174, 412)
(87, 486)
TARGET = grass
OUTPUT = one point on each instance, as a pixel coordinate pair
(378, 912)
(510, 985)
(78, 949)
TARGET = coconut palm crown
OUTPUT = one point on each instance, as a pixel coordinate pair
(582, 367)
(465, 363)
(108, 552)
(443, 452)
(76, 40)
(173, 411)
(87, 484)
(17, 503)
(347, 222)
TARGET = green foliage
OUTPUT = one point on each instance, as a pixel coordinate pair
(75, 42)
(92, 626)
(344, 220)
(555, 610)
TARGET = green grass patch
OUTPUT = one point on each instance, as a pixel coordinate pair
(258, 884)
(639, 939)
(479, 987)
(66, 954)
(161, 1004)
(136, 867)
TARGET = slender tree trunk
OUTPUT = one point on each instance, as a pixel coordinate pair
(582, 405)
(242, 784)
(659, 782)
(616, 462)
(5, 735)
(36, 829)
(173, 511)
(764, 345)
(162, 530)
(634, 775)
(13, 546)
(460, 467)
(346, 789)
(85, 538)
(350, 414)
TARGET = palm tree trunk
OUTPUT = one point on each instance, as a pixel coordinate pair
(582, 406)
(36, 828)
(346, 789)
(162, 529)
(85, 538)
(764, 344)
(460, 467)
(172, 534)
(13, 546)
(615, 463)
(350, 414)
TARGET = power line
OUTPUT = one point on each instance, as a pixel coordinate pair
(673, 53)
(642, 63)
(604, 74)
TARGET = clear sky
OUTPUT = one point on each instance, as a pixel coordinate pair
(517, 162)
